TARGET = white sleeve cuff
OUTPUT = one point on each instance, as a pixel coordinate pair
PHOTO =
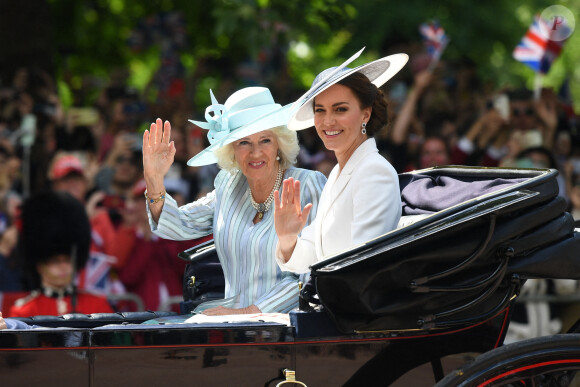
(496, 153)
(466, 145)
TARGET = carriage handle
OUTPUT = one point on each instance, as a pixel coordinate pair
(429, 321)
(499, 271)
(465, 263)
(472, 320)
(482, 297)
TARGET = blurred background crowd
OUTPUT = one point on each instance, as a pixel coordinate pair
(88, 142)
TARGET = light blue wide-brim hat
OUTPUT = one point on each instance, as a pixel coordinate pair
(378, 72)
(247, 111)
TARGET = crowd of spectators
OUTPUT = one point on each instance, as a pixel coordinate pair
(439, 116)
(93, 152)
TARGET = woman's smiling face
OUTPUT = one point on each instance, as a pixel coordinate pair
(338, 119)
(256, 155)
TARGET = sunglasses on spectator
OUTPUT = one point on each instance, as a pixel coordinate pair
(522, 112)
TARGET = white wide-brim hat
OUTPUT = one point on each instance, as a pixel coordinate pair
(247, 111)
(378, 72)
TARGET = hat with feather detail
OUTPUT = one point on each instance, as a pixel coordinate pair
(247, 111)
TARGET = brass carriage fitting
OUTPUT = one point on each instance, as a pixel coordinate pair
(290, 378)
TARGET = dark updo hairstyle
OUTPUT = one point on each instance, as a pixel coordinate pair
(369, 96)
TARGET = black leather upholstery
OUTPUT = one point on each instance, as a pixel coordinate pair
(79, 320)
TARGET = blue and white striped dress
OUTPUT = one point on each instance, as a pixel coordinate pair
(246, 250)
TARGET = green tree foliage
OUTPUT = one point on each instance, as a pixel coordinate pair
(483, 32)
(91, 36)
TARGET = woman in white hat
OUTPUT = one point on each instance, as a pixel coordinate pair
(361, 199)
(251, 143)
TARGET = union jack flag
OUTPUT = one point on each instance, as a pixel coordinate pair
(434, 38)
(95, 275)
(536, 49)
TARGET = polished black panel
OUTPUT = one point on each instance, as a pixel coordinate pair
(44, 367)
(223, 354)
(250, 365)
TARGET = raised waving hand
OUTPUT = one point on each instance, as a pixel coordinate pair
(158, 151)
(158, 155)
(289, 216)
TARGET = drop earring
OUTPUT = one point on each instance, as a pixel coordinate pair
(364, 128)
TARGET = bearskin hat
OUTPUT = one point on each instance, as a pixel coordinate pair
(54, 223)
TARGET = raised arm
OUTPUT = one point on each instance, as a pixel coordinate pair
(405, 116)
(158, 155)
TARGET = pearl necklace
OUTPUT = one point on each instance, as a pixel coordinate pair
(264, 207)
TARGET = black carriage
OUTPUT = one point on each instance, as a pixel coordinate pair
(428, 303)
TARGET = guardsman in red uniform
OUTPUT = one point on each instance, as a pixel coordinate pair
(55, 242)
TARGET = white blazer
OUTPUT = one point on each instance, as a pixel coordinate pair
(357, 205)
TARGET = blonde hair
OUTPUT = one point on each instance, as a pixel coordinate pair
(288, 149)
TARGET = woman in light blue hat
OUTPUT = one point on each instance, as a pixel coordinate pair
(361, 199)
(251, 143)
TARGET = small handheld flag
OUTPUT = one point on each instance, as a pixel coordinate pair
(536, 49)
(435, 40)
